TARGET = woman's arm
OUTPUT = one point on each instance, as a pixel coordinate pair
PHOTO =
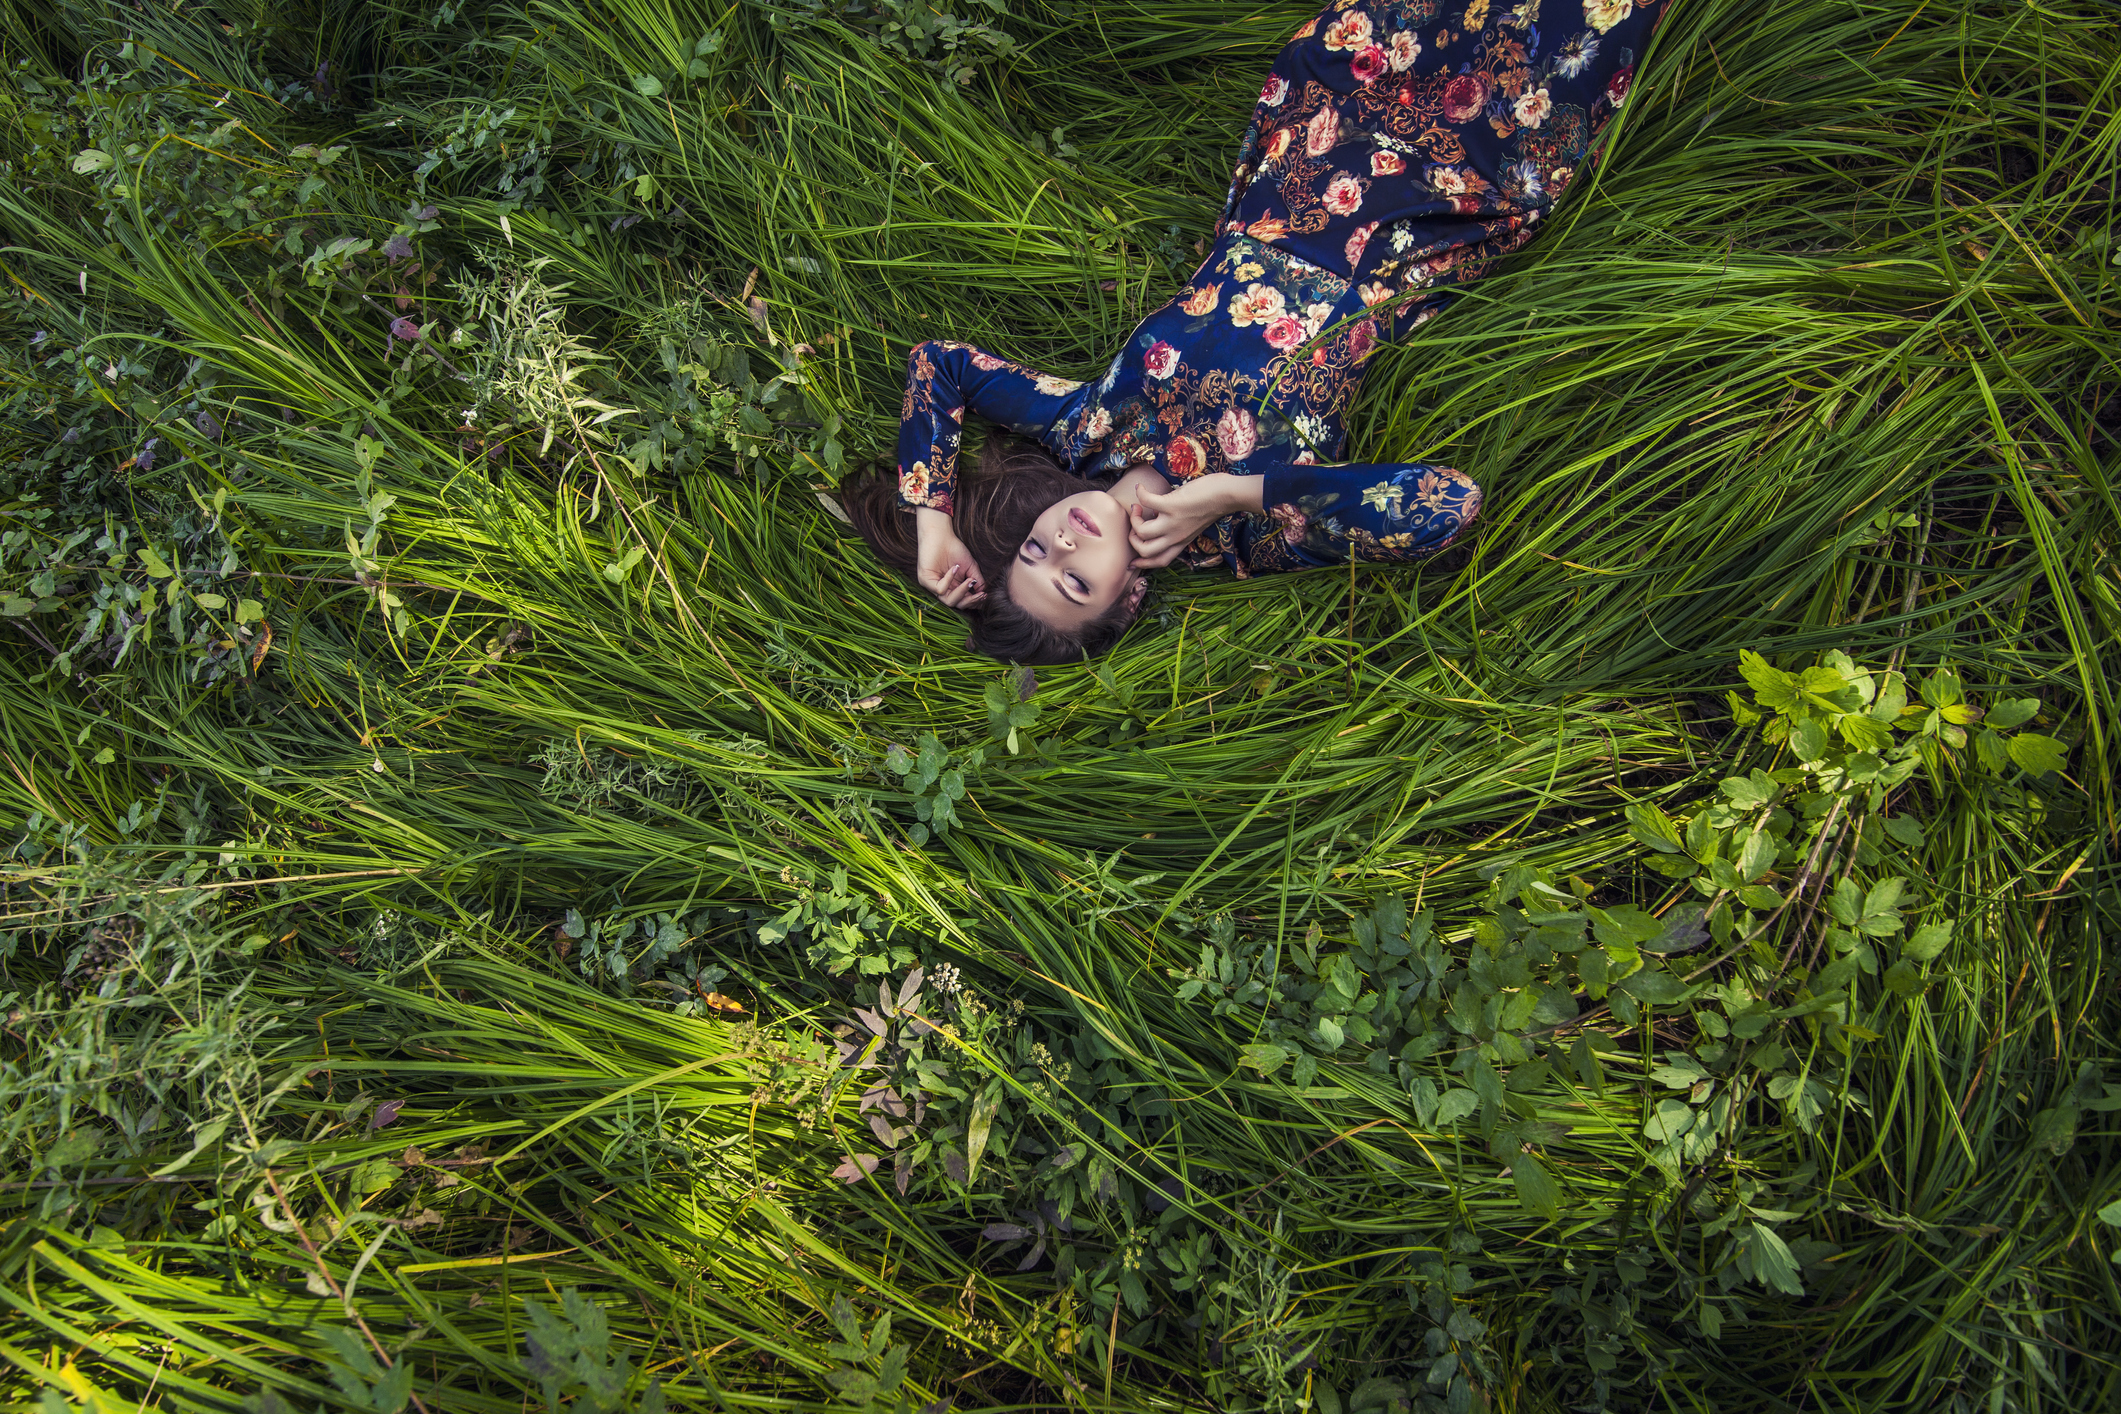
(1328, 515)
(1290, 516)
(943, 382)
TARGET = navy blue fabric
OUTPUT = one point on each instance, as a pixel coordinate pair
(1397, 150)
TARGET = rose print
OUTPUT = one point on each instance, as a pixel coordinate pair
(1285, 333)
(1533, 106)
(1376, 292)
(1464, 97)
(1343, 195)
(913, 483)
(1292, 522)
(1278, 143)
(1276, 90)
(1362, 339)
(1353, 31)
(1237, 432)
(1406, 48)
(1322, 132)
(1602, 15)
(1357, 240)
(1258, 304)
(1315, 317)
(1160, 360)
(1054, 387)
(1185, 458)
(1202, 301)
(1450, 181)
(1368, 64)
(1616, 87)
(987, 362)
(1097, 423)
(1386, 163)
(1443, 264)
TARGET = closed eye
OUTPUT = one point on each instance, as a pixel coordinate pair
(1031, 549)
(1076, 582)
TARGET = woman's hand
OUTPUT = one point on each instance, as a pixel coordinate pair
(944, 567)
(1162, 525)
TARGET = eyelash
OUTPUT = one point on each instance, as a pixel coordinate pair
(1081, 587)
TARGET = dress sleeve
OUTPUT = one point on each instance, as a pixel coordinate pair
(1369, 511)
(943, 382)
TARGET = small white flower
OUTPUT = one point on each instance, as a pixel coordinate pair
(1533, 106)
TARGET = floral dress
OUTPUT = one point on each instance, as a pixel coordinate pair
(1398, 149)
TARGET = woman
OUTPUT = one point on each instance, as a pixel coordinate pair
(1398, 149)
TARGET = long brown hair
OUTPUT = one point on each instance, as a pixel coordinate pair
(998, 499)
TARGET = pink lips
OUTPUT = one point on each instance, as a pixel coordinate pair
(1083, 523)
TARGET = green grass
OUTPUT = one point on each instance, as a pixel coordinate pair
(1826, 360)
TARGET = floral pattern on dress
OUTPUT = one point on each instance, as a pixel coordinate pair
(1397, 150)
(1489, 113)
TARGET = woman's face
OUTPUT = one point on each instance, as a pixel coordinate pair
(1076, 562)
